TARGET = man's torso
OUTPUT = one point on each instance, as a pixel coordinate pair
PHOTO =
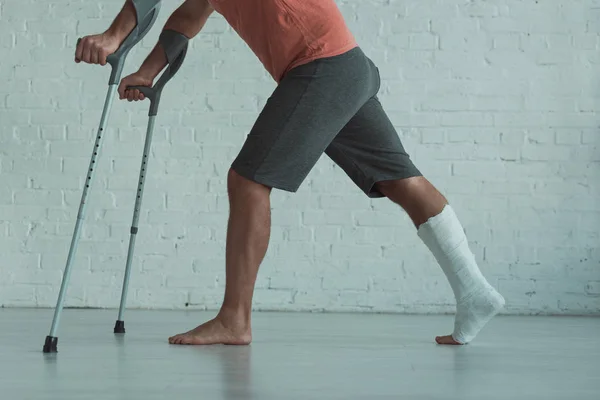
(287, 33)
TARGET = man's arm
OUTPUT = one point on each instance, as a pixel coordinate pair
(124, 22)
(94, 49)
(188, 19)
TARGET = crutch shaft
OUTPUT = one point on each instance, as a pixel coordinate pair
(175, 46)
(81, 213)
(134, 223)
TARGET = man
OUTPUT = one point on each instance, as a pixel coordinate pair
(325, 102)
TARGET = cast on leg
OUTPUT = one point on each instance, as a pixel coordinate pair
(439, 228)
(477, 302)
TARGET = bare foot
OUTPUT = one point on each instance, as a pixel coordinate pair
(215, 331)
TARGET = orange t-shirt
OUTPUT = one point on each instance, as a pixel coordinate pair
(287, 33)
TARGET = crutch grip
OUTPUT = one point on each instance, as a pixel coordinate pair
(146, 90)
(175, 47)
(146, 12)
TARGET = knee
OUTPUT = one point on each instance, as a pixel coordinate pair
(398, 187)
(239, 186)
(403, 191)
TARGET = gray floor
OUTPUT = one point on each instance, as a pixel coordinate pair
(298, 356)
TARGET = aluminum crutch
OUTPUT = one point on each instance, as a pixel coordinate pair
(146, 12)
(175, 46)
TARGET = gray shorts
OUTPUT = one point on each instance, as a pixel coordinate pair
(326, 106)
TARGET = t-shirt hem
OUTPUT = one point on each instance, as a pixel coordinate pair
(313, 57)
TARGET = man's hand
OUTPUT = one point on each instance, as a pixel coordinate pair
(94, 49)
(135, 79)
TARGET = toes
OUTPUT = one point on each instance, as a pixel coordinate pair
(447, 340)
(174, 339)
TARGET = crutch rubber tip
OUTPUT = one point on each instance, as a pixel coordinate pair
(119, 327)
(50, 344)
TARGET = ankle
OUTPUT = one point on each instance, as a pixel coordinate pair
(237, 316)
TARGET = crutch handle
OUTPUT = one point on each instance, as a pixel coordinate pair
(175, 46)
(146, 12)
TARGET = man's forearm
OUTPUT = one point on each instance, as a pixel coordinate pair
(188, 19)
(124, 22)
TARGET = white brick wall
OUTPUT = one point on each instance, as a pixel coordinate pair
(497, 102)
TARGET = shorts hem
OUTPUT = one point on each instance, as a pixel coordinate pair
(369, 187)
(252, 176)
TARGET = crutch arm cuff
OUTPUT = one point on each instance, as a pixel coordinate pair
(146, 12)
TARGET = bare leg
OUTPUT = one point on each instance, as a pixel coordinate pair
(247, 241)
(417, 196)
(476, 301)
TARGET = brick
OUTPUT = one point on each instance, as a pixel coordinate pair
(496, 103)
(299, 250)
(518, 293)
(465, 40)
(466, 119)
(467, 168)
(232, 103)
(367, 218)
(27, 100)
(15, 117)
(53, 133)
(299, 279)
(315, 299)
(327, 218)
(542, 152)
(171, 298)
(197, 202)
(592, 288)
(349, 202)
(569, 137)
(19, 213)
(34, 197)
(586, 41)
(578, 304)
(47, 181)
(402, 24)
(432, 135)
(38, 277)
(327, 234)
(572, 187)
(299, 234)
(272, 299)
(423, 41)
(450, 103)
(17, 295)
(6, 196)
(507, 187)
(191, 281)
(506, 41)
(370, 251)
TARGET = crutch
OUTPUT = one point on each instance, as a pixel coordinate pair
(175, 46)
(146, 12)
